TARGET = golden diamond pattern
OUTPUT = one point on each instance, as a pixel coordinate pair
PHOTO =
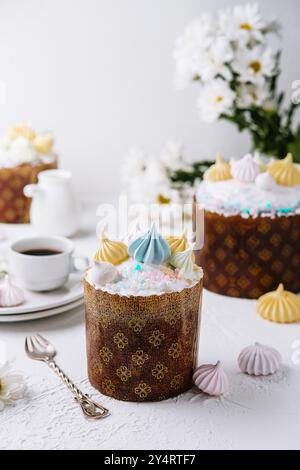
(275, 239)
(176, 381)
(108, 386)
(286, 251)
(105, 354)
(243, 282)
(123, 373)
(265, 254)
(229, 241)
(254, 269)
(266, 280)
(221, 280)
(142, 390)
(171, 318)
(175, 350)
(231, 269)
(120, 340)
(156, 338)
(220, 254)
(137, 324)
(139, 357)
(253, 242)
(104, 320)
(220, 227)
(264, 228)
(159, 371)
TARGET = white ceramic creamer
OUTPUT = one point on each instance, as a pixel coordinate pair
(54, 209)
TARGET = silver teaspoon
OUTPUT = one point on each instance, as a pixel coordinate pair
(40, 349)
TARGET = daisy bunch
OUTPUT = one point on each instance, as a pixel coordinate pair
(229, 56)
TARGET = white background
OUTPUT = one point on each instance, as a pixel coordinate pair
(100, 74)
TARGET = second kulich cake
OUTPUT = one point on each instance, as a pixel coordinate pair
(23, 155)
(142, 317)
(251, 226)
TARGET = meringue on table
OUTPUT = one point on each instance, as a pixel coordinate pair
(10, 295)
(279, 306)
(259, 360)
(211, 379)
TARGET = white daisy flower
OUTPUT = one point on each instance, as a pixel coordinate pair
(242, 24)
(215, 98)
(12, 385)
(214, 60)
(254, 65)
(252, 95)
(191, 47)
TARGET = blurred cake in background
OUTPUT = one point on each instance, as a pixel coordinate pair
(23, 154)
(251, 226)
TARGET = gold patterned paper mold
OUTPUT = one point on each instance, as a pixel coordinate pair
(149, 350)
(219, 171)
(279, 306)
(110, 251)
(250, 257)
(285, 172)
(179, 243)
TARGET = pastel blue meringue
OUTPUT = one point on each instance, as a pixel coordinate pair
(150, 248)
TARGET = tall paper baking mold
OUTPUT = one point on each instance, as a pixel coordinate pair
(142, 348)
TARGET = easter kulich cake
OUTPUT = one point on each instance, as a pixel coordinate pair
(251, 226)
(142, 307)
(23, 155)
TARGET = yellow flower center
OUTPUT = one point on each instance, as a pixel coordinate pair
(219, 99)
(255, 66)
(246, 26)
(161, 199)
(1, 386)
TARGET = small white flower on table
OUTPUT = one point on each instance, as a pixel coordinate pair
(12, 385)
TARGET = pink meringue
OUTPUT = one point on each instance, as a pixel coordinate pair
(211, 379)
(245, 170)
(259, 360)
(102, 273)
(10, 295)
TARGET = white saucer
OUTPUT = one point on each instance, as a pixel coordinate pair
(40, 301)
(42, 314)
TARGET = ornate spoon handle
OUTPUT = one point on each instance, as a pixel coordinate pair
(90, 408)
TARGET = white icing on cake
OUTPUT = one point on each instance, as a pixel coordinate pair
(137, 279)
(231, 197)
(18, 151)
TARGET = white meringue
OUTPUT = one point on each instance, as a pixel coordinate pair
(102, 273)
(245, 170)
(184, 261)
(259, 360)
(211, 379)
(10, 295)
(265, 181)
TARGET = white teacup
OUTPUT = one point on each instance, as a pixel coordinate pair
(43, 263)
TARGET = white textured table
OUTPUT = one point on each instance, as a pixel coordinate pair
(257, 413)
